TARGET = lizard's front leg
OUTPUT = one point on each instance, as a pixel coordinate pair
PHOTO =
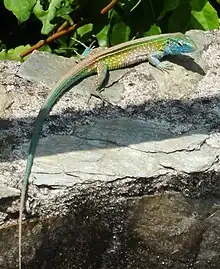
(154, 59)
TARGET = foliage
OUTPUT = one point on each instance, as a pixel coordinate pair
(12, 54)
(128, 19)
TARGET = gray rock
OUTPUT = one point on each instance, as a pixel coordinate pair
(129, 186)
(6, 101)
(45, 68)
(6, 192)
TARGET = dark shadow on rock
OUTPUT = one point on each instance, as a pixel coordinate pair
(102, 227)
(199, 114)
(5, 124)
(83, 239)
(187, 62)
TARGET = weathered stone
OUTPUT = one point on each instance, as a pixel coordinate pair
(6, 101)
(132, 186)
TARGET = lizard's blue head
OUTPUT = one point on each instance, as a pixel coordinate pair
(179, 44)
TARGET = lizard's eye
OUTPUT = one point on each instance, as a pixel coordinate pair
(180, 43)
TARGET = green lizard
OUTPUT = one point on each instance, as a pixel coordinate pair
(150, 49)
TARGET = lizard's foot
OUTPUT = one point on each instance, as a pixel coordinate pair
(99, 95)
(165, 67)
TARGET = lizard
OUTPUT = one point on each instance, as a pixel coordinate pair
(151, 49)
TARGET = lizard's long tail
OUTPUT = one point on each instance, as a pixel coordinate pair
(58, 90)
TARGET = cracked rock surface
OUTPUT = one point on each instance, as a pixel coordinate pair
(135, 185)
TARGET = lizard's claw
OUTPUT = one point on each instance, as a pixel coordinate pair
(100, 96)
(165, 67)
(100, 90)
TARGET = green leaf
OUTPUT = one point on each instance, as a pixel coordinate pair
(179, 21)
(85, 29)
(154, 30)
(45, 48)
(204, 16)
(47, 16)
(3, 54)
(21, 8)
(103, 35)
(168, 5)
(120, 31)
(14, 54)
(64, 11)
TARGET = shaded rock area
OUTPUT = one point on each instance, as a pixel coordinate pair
(135, 185)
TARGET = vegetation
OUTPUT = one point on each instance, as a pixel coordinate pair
(60, 22)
